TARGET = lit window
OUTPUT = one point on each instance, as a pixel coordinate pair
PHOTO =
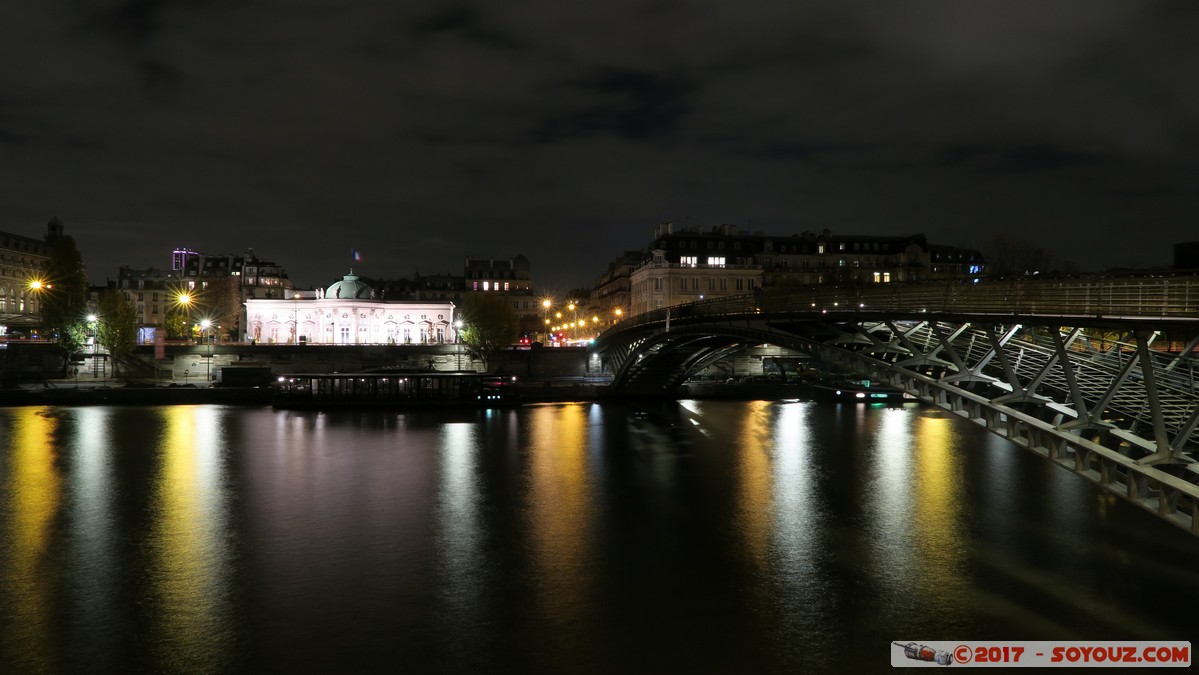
(716, 261)
(688, 261)
(487, 285)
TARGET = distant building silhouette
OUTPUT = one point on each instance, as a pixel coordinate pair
(510, 277)
(220, 285)
(689, 264)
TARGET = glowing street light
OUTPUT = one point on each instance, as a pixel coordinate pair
(458, 341)
(91, 324)
(204, 326)
(37, 287)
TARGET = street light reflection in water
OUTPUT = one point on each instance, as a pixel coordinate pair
(707, 535)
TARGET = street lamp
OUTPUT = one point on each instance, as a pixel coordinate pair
(91, 324)
(545, 305)
(458, 341)
(36, 288)
(204, 326)
(184, 300)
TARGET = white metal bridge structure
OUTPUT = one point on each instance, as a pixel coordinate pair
(1095, 375)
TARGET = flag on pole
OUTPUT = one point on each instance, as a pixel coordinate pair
(355, 255)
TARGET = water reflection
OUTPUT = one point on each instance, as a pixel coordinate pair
(33, 495)
(938, 515)
(711, 537)
(753, 496)
(915, 513)
(461, 563)
(798, 522)
(189, 544)
(559, 509)
(91, 524)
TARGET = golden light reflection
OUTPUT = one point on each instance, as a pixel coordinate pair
(560, 508)
(33, 497)
(187, 543)
(937, 522)
(753, 491)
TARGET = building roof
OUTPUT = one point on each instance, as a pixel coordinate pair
(350, 287)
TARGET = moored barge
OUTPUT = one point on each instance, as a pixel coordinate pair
(394, 390)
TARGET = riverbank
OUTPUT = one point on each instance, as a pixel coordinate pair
(117, 392)
(64, 393)
(550, 390)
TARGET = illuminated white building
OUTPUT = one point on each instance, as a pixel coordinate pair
(346, 313)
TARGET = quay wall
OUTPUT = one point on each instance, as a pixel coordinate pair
(23, 362)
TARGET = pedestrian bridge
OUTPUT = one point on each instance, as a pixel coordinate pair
(1096, 375)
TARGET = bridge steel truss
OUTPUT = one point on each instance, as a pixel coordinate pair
(1072, 371)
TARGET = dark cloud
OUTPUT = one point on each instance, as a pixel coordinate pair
(466, 23)
(629, 103)
(12, 138)
(422, 132)
(134, 21)
(1018, 158)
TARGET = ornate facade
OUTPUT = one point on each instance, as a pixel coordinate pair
(348, 312)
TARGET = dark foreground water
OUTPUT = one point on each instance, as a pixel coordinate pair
(568, 538)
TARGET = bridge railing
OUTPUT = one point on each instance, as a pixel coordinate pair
(1136, 297)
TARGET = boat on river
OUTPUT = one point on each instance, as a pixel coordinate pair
(394, 390)
(858, 390)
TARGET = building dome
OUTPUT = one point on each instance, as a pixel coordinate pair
(349, 287)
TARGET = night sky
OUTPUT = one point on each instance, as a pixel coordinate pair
(422, 132)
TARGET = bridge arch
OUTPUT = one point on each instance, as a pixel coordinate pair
(1070, 371)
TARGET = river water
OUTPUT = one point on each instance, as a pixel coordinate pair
(567, 538)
